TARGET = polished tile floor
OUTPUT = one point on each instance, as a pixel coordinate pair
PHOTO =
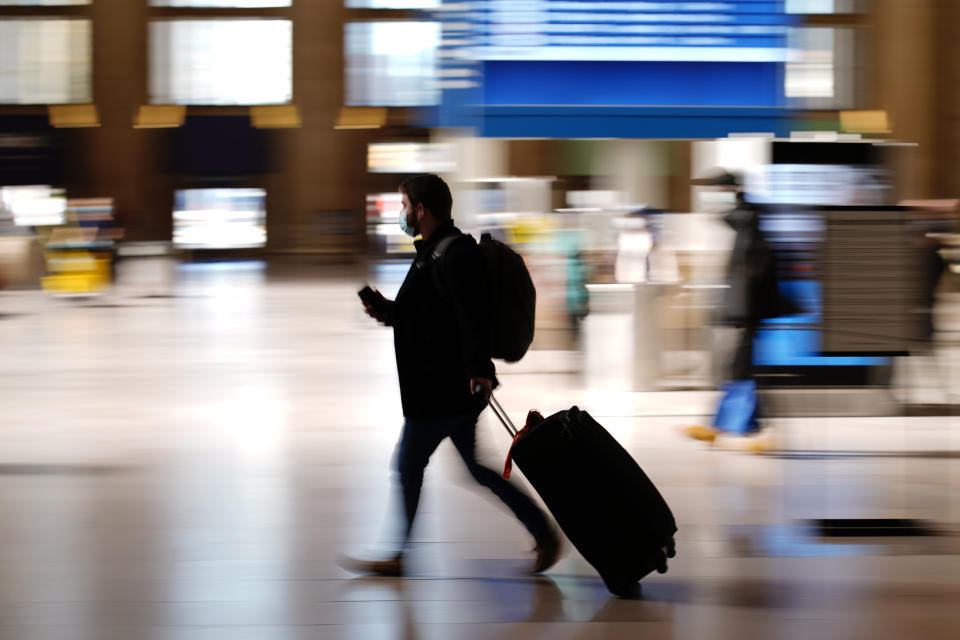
(188, 463)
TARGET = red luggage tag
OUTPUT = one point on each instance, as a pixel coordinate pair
(533, 418)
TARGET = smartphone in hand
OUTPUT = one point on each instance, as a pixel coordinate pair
(369, 297)
(372, 299)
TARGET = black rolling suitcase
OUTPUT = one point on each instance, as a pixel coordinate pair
(605, 504)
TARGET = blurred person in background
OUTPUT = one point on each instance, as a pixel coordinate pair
(641, 254)
(578, 271)
(443, 364)
(751, 296)
(634, 245)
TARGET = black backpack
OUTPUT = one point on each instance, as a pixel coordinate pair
(512, 296)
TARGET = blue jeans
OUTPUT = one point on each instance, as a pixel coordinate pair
(422, 436)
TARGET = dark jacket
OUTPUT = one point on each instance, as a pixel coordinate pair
(440, 337)
(752, 293)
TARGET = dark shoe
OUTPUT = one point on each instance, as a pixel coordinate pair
(627, 591)
(390, 568)
(548, 552)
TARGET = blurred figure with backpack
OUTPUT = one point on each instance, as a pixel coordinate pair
(445, 321)
(751, 296)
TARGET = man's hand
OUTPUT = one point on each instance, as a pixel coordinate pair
(373, 313)
(379, 317)
(485, 384)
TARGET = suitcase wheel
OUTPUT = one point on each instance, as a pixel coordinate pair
(661, 564)
(671, 549)
(668, 550)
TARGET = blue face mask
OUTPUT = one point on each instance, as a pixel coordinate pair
(407, 229)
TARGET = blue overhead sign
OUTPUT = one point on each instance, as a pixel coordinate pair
(592, 58)
(620, 30)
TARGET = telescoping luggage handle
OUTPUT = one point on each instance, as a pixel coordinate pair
(511, 430)
(500, 413)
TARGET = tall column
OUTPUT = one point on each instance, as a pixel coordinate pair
(904, 81)
(112, 159)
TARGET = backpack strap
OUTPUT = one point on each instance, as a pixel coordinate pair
(436, 264)
(437, 254)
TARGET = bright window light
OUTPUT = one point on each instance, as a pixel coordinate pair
(393, 4)
(45, 61)
(391, 63)
(810, 67)
(226, 4)
(42, 3)
(212, 62)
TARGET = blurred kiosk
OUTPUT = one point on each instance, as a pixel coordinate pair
(148, 269)
(621, 337)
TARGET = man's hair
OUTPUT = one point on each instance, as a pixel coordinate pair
(432, 192)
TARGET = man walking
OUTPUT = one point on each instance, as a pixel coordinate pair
(752, 296)
(443, 363)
